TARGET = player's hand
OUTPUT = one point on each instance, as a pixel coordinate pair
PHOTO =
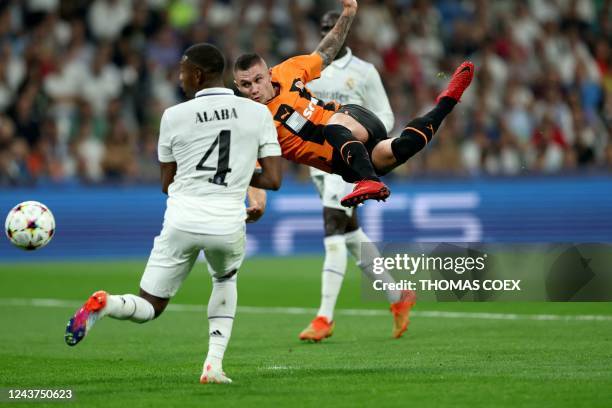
(254, 212)
(349, 6)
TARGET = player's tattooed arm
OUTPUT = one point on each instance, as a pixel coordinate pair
(330, 44)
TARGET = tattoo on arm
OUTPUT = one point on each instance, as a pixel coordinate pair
(330, 45)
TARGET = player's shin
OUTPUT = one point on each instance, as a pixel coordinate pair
(352, 151)
(129, 307)
(221, 313)
(334, 268)
(364, 255)
(419, 132)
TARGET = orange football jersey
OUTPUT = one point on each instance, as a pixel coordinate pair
(299, 116)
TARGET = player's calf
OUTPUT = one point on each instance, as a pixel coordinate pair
(101, 304)
(419, 132)
(352, 152)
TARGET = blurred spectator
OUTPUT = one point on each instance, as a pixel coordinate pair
(83, 84)
(107, 18)
(118, 161)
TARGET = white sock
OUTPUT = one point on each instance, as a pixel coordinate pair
(334, 268)
(129, 307)
(221, 313)
(366, 259)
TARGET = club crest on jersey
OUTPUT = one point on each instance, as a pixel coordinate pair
(298, 85)
(221, 114)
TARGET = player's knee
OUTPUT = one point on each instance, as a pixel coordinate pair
(224, 276)
(383, 157)
(159, 304)
(335, 221)
(352, 224)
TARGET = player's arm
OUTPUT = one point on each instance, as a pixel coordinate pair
(168, 171)
(270, 175)
(257, 200)
(330, 44)
(167, 162)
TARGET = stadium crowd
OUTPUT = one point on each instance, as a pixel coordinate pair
(83, 84)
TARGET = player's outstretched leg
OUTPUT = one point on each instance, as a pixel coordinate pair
(419, 132)
(101, 304)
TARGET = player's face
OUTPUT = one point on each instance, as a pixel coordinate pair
(255, 83)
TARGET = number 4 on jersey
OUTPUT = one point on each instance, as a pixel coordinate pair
(223, 141)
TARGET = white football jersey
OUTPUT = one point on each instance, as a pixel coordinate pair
(353, 80)
(215, 140)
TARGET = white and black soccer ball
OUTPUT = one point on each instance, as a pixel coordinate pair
(30, 225)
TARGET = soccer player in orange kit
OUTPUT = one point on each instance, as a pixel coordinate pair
(348, 140)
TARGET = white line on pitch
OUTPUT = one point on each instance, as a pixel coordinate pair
(309, 311)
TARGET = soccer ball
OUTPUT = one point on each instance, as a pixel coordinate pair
(30, 225)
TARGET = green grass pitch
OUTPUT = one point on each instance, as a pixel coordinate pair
(452, 360)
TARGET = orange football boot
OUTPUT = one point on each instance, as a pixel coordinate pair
(401, 312)
(319, 329)
(84, 318)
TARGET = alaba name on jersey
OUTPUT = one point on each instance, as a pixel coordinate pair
(215, 140)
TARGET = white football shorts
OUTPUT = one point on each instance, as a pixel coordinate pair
(332, 188)
(174, 253)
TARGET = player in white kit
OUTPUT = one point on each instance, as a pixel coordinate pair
(348, 80)
(208, 148)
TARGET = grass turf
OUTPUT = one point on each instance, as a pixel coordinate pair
(441, 362)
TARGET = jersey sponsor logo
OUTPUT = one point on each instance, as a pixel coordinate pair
(310, 108)
(221, 114)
